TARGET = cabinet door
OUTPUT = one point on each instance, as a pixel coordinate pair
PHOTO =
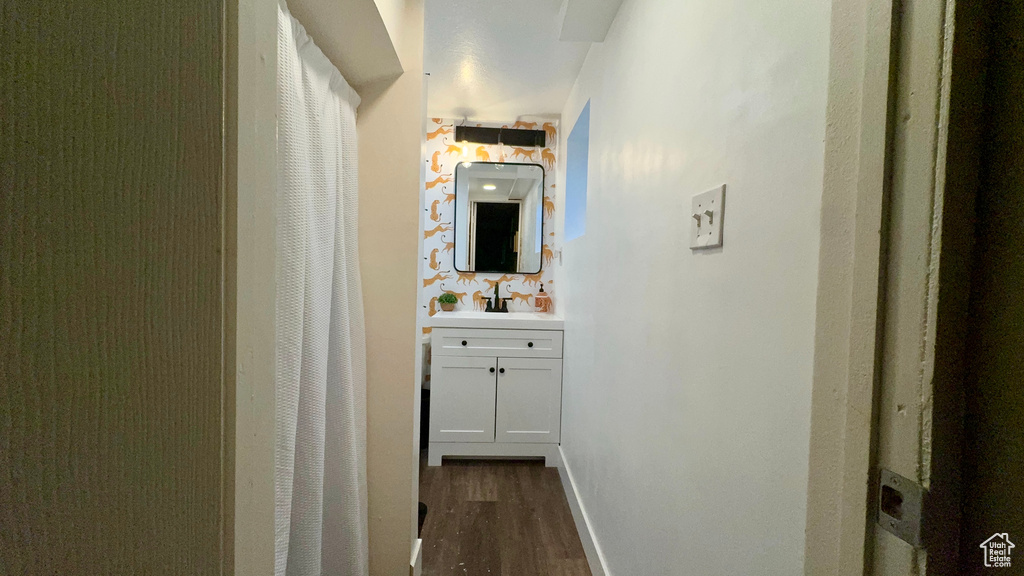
(462, 399)
(529, 407)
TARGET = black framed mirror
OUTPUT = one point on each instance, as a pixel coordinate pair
(499, 224)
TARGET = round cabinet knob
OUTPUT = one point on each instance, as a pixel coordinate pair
(502, 370)
(463, 342)
(492, 370)
(529, 344)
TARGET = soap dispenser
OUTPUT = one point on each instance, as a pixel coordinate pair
(542, 301)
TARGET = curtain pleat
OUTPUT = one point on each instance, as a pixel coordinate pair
(320, 452)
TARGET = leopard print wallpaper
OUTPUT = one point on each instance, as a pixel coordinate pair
(443, 153)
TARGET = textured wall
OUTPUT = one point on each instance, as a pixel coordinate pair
(390, 126)
(687, 374)
(110, 287)
(439, 273)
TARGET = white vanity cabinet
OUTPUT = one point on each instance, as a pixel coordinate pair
(495, 392)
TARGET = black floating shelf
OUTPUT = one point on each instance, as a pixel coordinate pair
(506, 136)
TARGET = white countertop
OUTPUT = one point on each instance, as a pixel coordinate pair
(510, 320)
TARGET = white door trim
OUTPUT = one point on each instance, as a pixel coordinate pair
(881, 234)
(846, 324)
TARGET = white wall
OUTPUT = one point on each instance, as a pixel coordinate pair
(390, 128)
(392, 13)
(687, 379)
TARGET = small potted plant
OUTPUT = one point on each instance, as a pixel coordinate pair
(447, 301)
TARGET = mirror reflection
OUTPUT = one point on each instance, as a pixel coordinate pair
(498, 217)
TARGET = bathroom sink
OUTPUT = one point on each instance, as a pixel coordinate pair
(510, 320)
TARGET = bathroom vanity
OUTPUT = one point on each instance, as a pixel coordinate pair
(496, 385)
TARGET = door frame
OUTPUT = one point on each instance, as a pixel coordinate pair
(854, 194)
(472, 217)
(897, 201)
(250, 168)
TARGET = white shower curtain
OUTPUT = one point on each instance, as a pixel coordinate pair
(320, 467)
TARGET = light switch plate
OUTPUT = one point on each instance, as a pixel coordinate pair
(707, 213)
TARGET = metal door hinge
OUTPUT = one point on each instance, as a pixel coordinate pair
(901, 506)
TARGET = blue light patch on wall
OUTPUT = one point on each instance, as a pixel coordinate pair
(577, 156)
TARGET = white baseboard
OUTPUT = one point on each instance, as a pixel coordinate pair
(591, 548)
(416, 562)
(436, 450)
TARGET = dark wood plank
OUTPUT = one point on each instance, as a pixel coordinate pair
(500, 518)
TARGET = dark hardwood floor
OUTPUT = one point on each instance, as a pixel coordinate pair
(499, 518)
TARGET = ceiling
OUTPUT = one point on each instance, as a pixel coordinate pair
(510, 181)
(498, 60)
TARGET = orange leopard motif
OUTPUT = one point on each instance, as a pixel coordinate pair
(532, 279)
(452, 149)
(479, 301)
(549, 207)
(449, 198)
(482, 155)
(503, 280)
(448, 246)
(465, 277)
(517, 151)
(525, 125)
(434, 264)
(525, 298)
(445, 179)
(548, 157)
(440, 276)
(435, 166)
(549, 128)
(459, 295)
(439, 132)
(547, 254)
(437, 229)
(434, 214)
